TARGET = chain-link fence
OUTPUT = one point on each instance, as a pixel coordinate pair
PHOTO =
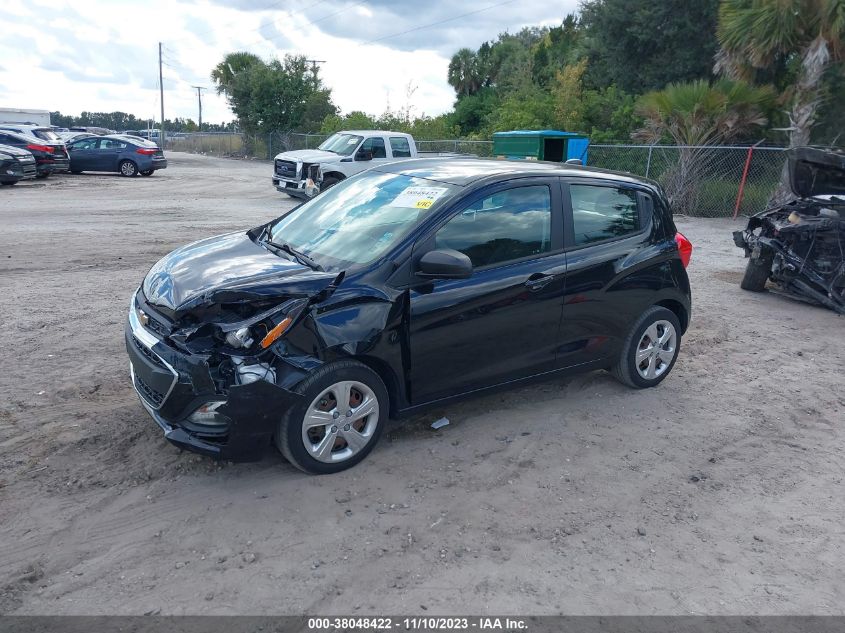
(266, 146)
(700, 180)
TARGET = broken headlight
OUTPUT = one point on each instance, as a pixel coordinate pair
(265, 328)
(240, 338)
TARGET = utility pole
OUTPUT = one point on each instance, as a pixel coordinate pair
(161, 94)
(314, 63)
(199, 100)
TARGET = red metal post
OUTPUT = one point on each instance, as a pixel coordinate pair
(742, 181)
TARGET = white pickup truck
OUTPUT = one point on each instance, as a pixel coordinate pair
(341, 155)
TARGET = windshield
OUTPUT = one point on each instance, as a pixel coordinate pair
(343, 144)
(360, 219)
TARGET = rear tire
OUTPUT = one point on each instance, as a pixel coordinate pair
(321, 447)
(43, 176)
(128, 168)
(756, 273)
(650, 349)
(148, 172)
(75, 172)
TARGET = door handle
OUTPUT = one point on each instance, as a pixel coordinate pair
(537, 281)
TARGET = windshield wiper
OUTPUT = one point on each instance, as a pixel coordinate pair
(301, 257)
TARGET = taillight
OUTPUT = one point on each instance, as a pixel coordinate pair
(145, 151)
(684, 248)
(40, 148)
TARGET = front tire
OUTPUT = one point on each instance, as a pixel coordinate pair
(338, 420)
(128, 168)
(328, 183)
(757, 272)
(9, 183)
(650, 350)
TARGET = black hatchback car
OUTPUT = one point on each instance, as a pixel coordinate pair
(408, 285)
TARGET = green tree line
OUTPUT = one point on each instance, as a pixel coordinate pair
(120, 121)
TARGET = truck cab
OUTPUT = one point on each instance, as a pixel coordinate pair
(304, 173)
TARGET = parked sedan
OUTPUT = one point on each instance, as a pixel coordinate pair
(404, 287)
(50, 156)
(15, 165)
(127, 155)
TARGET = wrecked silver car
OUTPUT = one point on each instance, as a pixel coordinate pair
(799, 246)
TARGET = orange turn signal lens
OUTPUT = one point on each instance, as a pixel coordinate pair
(275, 333)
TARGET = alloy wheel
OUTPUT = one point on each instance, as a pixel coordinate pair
(340, 421)
(656, 350)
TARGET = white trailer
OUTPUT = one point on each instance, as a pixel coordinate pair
(25, 115)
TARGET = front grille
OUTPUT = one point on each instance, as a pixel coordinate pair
(153, 358)
(29, 170)
(157, 327)
(286, 168)
(149, 394)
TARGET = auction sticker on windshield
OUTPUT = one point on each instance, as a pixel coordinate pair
(418, 197)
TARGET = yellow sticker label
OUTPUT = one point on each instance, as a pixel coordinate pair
(418, 197)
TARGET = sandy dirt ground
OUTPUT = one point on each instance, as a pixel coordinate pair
(719, 492)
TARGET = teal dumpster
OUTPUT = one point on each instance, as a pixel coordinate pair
(551, 145)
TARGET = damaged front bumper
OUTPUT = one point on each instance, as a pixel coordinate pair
(173, 386)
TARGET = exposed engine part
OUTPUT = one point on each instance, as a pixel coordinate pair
(246, 374)
(800, 246)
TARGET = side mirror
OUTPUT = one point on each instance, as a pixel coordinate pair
(364, 154)
(444, 263)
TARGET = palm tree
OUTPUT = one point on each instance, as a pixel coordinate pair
(464, 74)
(701, 113)
(234, 63)
(696, 115)
(753, 34)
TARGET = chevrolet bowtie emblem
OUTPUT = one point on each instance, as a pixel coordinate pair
(142, 317)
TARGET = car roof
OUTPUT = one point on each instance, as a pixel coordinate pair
(135, 140)
(22, 136)
(373, 132)
(465, 171)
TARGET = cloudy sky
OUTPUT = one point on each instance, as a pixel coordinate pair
(102, 55)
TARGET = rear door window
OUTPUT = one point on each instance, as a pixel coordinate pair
(400, 147)
(602, 212)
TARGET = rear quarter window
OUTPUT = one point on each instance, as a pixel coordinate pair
(602, 213)
(400, 146)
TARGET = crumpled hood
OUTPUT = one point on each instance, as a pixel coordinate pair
(310, 156)
(227, 268)
(817, 171)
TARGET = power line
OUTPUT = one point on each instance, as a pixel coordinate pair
(427, 26)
